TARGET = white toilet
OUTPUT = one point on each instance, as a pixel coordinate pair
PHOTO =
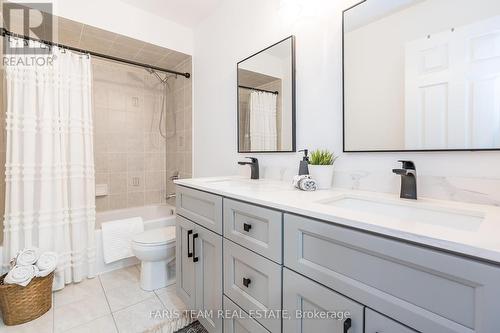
(156, 250)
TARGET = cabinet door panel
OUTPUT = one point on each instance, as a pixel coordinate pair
(184, 264)
(304, 296)
(208, 271)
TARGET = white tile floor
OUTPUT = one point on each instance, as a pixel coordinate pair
(112, 302)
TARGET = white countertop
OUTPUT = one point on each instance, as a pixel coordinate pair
(479, 240)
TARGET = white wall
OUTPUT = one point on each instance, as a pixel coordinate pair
(239, 28)
(121, 18)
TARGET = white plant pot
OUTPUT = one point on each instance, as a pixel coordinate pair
(322, 174)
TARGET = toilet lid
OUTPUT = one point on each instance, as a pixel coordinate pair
(156, 236)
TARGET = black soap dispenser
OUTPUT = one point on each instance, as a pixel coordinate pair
(304, 164)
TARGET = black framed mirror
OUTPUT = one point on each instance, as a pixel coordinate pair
(266, 100)
(421, 75)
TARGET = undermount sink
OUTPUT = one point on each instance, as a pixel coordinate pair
(261, 185)
(235, 181)
(410, 212)
(219, 180)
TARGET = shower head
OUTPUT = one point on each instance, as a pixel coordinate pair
(155, 73)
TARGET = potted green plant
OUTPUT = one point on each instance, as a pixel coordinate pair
(321, 168)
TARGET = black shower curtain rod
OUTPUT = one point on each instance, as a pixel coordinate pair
(262, 90)
(7, 33)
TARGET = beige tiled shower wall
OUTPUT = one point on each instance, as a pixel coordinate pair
(131, 156)
(179, 126)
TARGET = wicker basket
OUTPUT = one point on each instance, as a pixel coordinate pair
(22, 304)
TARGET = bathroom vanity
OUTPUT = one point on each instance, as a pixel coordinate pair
(375, 262)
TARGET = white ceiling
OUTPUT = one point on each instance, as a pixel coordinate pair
(185, 12)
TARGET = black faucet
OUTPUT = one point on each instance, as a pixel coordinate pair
(254, 167)
(408, 180)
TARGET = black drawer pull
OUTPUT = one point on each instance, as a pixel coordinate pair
(246, 282)
(195, 258)
(190, 254)
(247, 227)
(347, 325)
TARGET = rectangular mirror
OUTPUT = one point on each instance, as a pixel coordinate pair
(421, 75)
(266, 100)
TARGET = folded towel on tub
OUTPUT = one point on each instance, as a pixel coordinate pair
(117, 238)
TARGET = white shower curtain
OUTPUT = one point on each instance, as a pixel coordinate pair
(263, 127)
(50, 193)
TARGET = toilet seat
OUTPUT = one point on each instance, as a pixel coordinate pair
(155, 237)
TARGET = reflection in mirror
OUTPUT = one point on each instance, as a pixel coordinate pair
(266, 107)
(422, 75)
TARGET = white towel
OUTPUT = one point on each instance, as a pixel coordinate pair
(46, 263)
(27, 257)
(117, 238)
(305, 183)
(21, 275)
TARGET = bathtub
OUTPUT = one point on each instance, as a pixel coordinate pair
(156, 216)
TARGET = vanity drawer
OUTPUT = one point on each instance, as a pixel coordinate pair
(428, 290)
(377, 323)
(254, 227)
(236, 324)
(253, 282)
(200, 207)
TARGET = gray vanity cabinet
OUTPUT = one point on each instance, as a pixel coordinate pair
(305, 299)
(377, 323)
(259, 259)
(184, 265)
